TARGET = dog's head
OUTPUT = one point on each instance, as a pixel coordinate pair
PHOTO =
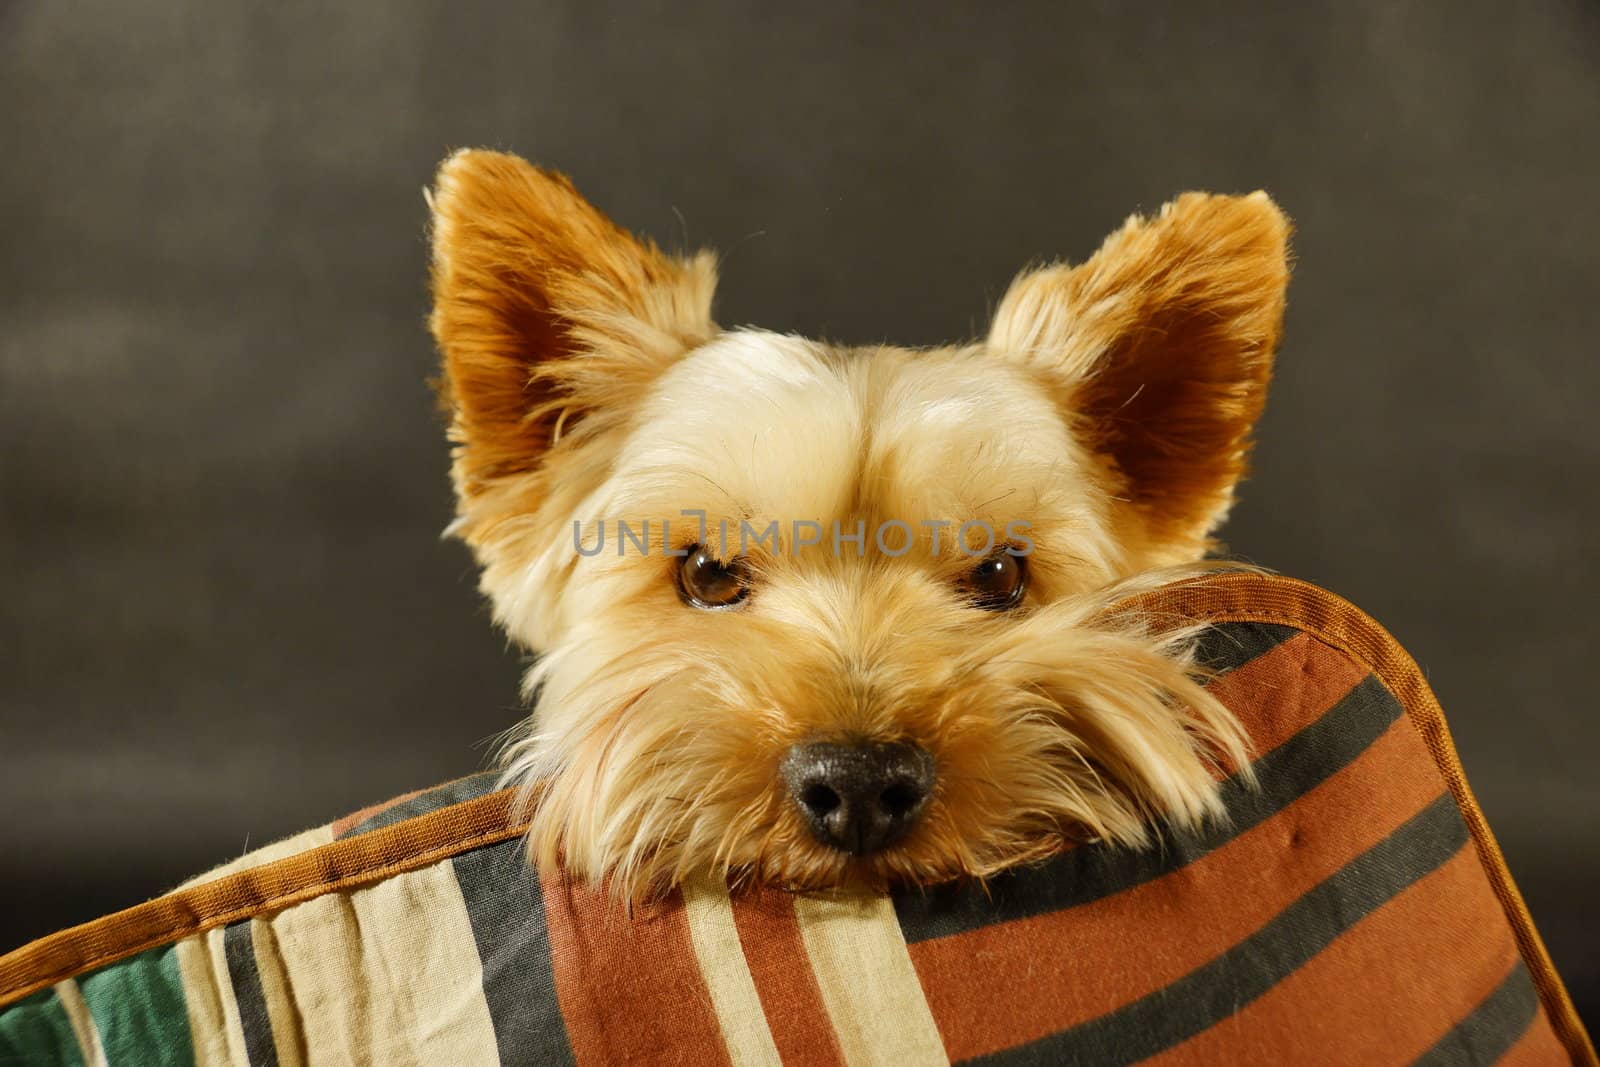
(826, 615)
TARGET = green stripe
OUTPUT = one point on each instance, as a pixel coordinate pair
(1219, 989)
(1492, 1028)
(37, 1031)
(138, 1006)
(1090, 872)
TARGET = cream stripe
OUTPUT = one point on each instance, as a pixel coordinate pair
(304, 841)
(202, 1000)
(288, 1043)
(83, 1028)
(388, 974)
(208, 995)
(871, 990)
(231, 1025)
(435, 977)
(727, 975)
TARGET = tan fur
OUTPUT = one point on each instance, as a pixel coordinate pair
(1109, 409)
(1163, 344)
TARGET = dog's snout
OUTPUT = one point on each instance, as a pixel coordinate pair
(859, 798)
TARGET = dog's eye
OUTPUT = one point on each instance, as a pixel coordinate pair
(998, 582)
(704, 581)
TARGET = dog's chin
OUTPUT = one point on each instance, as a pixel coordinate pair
(807, 868)
(647, 767)
(822, 869)
(780, 854)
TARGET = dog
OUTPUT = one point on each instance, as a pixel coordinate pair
(833, 617)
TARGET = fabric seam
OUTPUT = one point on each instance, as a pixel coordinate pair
(1235, 597)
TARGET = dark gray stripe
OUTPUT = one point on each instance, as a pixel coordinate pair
(445, 795)
(1222, 987)
(507, 913)
(1230, 645)
(239, 948)
(1091, 872)
(1492, 1028)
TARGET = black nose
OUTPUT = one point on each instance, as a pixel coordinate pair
(858, 798)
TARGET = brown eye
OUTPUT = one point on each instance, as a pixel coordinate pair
(998, 582)
(706, 582)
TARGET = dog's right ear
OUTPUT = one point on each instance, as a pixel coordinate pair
(551, 319)
(1161, 347)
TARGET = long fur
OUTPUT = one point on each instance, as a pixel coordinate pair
(1108, 410)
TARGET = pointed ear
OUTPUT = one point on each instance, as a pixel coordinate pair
(550, 318)
(1161, 348)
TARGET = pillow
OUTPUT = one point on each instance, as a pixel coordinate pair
(1354, 909)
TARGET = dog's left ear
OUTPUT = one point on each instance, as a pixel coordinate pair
(552, 320)
(1160, 348)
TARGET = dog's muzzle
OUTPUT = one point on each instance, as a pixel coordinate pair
(858, 798)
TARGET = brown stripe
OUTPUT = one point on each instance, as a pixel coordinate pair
(1221, 598)
(340, 865)
(629, 987)
(1281, 692)
(1290, 602)
(1448, 923)
(1537, 1048)
(1191, 916)
(796, 1014)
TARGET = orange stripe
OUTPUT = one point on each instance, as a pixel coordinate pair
(1280, 693)
(778, 963)
(486, 820)
(1367, 997)
(1111, 951)
(1537, 1048)
(1284, 601)
(628, 984)
(1284, 690)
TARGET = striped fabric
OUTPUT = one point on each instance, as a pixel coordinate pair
(1354, 909)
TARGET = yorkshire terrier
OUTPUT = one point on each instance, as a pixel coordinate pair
(826, 616)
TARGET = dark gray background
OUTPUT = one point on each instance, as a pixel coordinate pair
(225, 611)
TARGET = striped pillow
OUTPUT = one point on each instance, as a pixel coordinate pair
(1355, 910)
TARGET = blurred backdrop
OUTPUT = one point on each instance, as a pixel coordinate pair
(225, 609)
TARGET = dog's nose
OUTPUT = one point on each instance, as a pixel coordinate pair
(859, 798)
